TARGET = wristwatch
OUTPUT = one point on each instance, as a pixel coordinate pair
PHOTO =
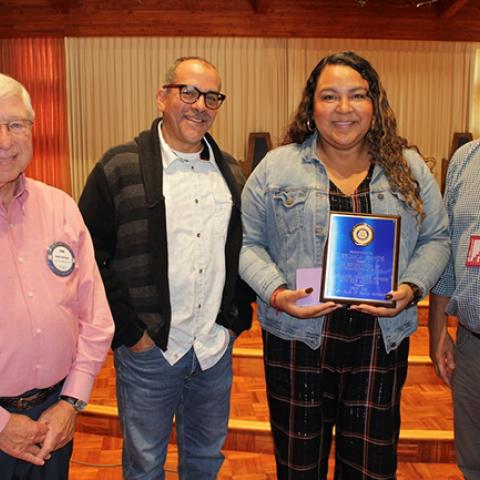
(417, 294)
(78, 405)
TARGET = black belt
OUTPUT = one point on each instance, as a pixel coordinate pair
(476, 335)
(29, 399)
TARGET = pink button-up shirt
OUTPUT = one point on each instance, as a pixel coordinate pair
(51, 326)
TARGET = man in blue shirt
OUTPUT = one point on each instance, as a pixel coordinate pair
(458, 293)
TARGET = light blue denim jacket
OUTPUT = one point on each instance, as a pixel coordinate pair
(285, 208)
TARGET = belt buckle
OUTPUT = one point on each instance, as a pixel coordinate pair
(23, 404)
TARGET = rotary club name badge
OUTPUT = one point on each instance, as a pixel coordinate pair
(60, 259)
(362, 234)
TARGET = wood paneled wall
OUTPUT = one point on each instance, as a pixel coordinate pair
(452, 20)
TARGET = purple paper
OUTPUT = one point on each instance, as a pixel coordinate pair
(309, 277)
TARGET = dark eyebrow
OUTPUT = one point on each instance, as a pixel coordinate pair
(334, 89)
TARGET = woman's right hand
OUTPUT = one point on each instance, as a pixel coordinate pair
(285, 300)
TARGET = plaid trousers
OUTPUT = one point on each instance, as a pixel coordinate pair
(351, 383)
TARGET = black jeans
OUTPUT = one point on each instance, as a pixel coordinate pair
(54, 469)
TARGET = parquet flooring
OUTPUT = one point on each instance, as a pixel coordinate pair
(426, 405)
(97, 449)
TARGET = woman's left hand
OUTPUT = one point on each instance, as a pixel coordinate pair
(402, 296)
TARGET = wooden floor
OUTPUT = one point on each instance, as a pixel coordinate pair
(239, 465)
(93, 449)
(426, 411)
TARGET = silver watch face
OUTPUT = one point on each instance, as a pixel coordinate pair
(80, 405)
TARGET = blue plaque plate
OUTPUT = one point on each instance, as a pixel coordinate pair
(361, 259)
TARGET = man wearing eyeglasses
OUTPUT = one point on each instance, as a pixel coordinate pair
(164, 213)
(55, 322)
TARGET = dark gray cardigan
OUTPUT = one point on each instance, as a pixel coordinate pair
(124, 209)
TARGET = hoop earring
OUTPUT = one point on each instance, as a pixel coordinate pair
(310, 127)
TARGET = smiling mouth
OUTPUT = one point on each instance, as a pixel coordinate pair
(196, 120)
(344, 122)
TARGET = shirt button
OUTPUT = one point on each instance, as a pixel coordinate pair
(192, 167)
(39, 331)
(30, 294)
(196, 200)
(380, 196)
(199, 305)
(20, 259)
(12, 225)
(37, 367)
(198, 235)
(200, 270)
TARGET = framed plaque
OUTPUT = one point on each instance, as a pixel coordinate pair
(361, 259)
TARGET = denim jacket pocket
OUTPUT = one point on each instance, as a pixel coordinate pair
(289, 207)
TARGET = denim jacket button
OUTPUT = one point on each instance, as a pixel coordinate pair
(380, 196)
(393, 345)
(289, 201)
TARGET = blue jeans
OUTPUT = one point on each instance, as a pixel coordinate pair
(150, 392)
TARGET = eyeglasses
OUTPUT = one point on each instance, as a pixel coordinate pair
(190, 94)
(18, 127)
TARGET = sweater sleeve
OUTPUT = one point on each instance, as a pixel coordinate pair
(98, 210)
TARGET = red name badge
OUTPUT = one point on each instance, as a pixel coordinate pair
(473, 255)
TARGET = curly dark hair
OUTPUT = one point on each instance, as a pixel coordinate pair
(384, 144)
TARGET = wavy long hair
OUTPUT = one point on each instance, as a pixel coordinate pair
(384, 144)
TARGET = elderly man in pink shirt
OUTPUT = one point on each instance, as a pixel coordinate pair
(55, 322)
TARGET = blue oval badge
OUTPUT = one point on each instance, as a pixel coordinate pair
(60, 259)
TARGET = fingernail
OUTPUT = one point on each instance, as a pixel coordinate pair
(388, 296)
(309, 290)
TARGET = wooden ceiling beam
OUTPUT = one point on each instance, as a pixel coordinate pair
(448, 8)
(260, 6)
(64, 6)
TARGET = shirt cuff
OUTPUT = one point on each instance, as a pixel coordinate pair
(78, 385)
(443, 290)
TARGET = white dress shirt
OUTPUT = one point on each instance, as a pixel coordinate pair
(198, 206)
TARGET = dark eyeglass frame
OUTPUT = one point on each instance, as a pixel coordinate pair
(207, 96)
(19, 126)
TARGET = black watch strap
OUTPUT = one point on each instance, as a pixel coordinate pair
(78, 405)
(417, 294)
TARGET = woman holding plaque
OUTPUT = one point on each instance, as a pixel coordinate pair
(334, 363)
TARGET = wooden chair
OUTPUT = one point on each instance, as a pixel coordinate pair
(459, 139)
(259, 143)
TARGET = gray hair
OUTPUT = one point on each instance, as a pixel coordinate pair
(172, 70)
(10, 87)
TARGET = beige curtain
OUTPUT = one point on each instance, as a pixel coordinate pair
(112, 84)
(475, 102)
(428, 84)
